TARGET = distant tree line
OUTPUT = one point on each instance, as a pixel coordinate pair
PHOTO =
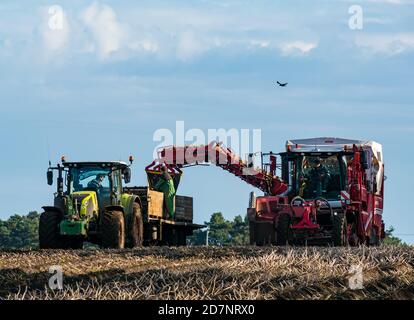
(390, 239)
(21, 232)
(222, 232)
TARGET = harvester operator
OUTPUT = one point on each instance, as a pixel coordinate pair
(318, 177)
(166, 185)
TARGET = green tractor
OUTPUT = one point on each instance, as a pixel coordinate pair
(91, 205)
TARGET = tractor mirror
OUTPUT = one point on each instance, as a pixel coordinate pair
(49, 175)
(127, 175)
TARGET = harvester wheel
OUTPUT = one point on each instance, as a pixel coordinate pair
(113, 230)
(339, 231)
(252, 233)
(136, 229)
(374, 239)
(49, 237)
(283, 230)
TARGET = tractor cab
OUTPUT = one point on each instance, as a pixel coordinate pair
(89, 186)
(102, 180)
(92, 205)
(85, 191)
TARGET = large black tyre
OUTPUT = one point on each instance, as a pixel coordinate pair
(339, 231)
(181, 237)
(353, 238)
(282, 230)
(374, 239)
(252, 233)
(49, 237)
(113, 230)
(74, 244)
(136, 227)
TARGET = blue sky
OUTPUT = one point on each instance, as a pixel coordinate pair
(118, 71)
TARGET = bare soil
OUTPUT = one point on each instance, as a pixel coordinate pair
(211, 273)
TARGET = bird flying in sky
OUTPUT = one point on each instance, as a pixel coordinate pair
(282, 84)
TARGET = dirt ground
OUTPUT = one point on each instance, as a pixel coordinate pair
(211, 273)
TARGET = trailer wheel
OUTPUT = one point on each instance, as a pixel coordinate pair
(49, 237)
(283, 230)
(136, 229)
(181, 237)
(113, 230)
(339, 231)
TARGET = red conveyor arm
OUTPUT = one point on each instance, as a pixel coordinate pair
(178, 157)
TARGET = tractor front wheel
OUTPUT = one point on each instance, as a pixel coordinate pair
(136, 229)
(113, 230)
(49, 237)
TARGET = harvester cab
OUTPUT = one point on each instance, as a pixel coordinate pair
(312, 174)
(334, 195)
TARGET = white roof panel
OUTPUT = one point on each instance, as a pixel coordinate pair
(326, 144)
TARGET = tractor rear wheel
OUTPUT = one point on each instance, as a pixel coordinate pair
(75, 244)
(339, 231)
(136, 229)
(113, 230)
(49, 237)
(283, 230)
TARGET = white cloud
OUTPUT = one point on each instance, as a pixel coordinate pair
(297, 47)
(398, 2)
(148, 45)
(173, 34)
(96, 29)
(389, 44)
(381, 21)
(392, 1)
(260, 43)
(108, 34)
(189, 46)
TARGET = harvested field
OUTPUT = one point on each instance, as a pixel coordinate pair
(210, 273)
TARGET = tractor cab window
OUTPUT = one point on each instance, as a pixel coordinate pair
(319, 176)
(90, 178)
(116, 180)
